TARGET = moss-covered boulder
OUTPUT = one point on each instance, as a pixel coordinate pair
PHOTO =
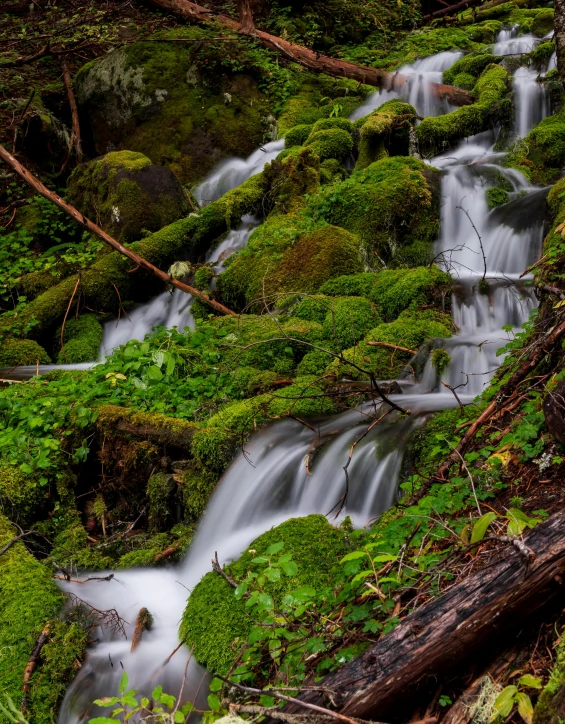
(386, 132)
(348, 319)
(127, 195)
(472, 64)
(152, 97)
(14, 352)
(216, 625)
(392, 205)
(82, 337)
(284, 256)
(436, 134)
(541, 155)
(410, 330)
(550, 706)
(395, 290)
(29, 599)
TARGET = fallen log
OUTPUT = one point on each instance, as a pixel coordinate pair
(305, 56)
(405, 667)
(455, 8)
(76, 215)
(163, 430)
(32, 663)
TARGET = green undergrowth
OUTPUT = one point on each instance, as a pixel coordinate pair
(541, 155)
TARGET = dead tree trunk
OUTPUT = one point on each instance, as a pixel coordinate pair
(101, 234)
(305, 56)
(247, 26)
(407, 664)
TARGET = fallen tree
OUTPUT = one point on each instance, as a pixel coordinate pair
(405, 666)
(76, 215)
(305, 56)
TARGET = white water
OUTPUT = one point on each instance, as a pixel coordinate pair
(509, 42)
(251, 498)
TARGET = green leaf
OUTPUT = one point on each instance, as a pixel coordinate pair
(481, 526)
(273, 574)
(290, 568)
(215, 685)
(179, 717)
(214, 703)
(533, 682)
(156, 693)
(504, 702)
(101, 720)
(267, 701)
(384, 558)
(353, 556)
(154, 373)
(168, 700)
(275, 548)
(525, 708)
(107, 701)
(123, 684)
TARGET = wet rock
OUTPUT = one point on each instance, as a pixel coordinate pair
(127, 195)
(151, 97)
(554, 411)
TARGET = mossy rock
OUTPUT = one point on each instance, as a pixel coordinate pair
(331, 143)
(21, 494)
(151, 97)
(287, 181)
(82, 337)
(350, 285)
(297, 135)
(216, 625)
(386, 132)
(127, 194)
(16, 352)
(550, 706)
(395, 290)
(472, 64)
(313, 308)
(390, 204)
(541, 155)
(496, 197)
(436, 134)
(410, 330)
(282, 257)
(29, 599)
(349, 319)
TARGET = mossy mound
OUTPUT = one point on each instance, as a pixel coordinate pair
(127, 195)
(16, 352)
(286, 181)
(348, 319)
(350, 285)
(391, 204)
(386, 132)
(152, 97)
(216, 625)
(29, 599)
(496, 197)
(410, 330)
(541, 155)
(281, 257)
(549, 706)
(331, 143)
(21, 495)
(436, 134)
(395, 290)
(82, 337)
(472, 64)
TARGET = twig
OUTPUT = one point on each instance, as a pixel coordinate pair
(32, 663)
(65, 319)
(75, 141)
(452, 389)
(218, 568)
(391, 346)
(10, 543)
(480, 240)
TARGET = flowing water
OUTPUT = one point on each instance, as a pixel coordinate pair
(271, 482)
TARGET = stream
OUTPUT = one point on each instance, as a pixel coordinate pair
(251, 498)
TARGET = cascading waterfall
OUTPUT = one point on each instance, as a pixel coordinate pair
(251, 498)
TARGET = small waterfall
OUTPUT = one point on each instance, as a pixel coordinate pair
(276, 484)
(531, 100)
(508, 42)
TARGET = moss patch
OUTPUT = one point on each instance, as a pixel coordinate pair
(22, 352)
(386, 132)
(216, 624)
(82, 337)
(541, 155)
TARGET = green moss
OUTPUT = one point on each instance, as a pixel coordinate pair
(541, 155)
(29, 599)
(287, 181)
(386, 132)
(313, 363)
(282, 256)
(410, 330)
(440, 360)
(297, 135)
(496, 197)
(216, 624)
(16, 352)
(423, 444)
(395, 290)
(349, 319)
(165, 429)
(542, 22)
(331, 171)
(465, 81)
(127, 195)
(202, 279)
(83, 337)
(331, 143)
(435, 134)
(549, 706)
(21, 496)
(539, 57)
(313, 308)
(472, 64)
(354, 285)
(390, 204)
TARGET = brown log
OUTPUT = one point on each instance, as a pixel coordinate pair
(455, 8)
(305, 56)
(391, 346)
(101, 234)
(144, 623)
(167, 553)
(405, 666)
(158, 428)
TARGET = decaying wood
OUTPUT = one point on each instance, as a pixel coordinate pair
(391, 346)
(455, 8)
(167, 553)
(75, 142)
(32, 663)
(305, 56)
(406, 665)
(101, 234)
(559, 24)
(143, 623)
(247, 26)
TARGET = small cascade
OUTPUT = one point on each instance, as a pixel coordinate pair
(289, 469)
(508, 42)
(531, 100)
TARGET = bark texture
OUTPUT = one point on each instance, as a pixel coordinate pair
(559, 8)
(408, 663)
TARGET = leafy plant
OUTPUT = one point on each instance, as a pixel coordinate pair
(513, 696)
